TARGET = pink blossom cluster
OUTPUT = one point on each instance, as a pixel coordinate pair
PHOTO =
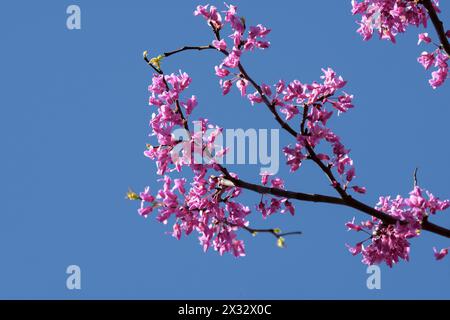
(209, 205)
(289, 99)
(311, 102)
(390, 243)
(388, 17)
(391, 17)
(208, 202)
(165, 95)
(293, 100)
(275, 204)
(437, 58)
(241, 42)
(199, 207)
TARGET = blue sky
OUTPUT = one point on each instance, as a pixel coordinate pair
(74, 123)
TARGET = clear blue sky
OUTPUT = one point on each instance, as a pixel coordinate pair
(74, 123)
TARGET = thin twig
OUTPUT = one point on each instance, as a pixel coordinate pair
(415, 177)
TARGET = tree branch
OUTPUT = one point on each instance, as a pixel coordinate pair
(275, 232)
(345, 200)
(186, 48)
(438, 25)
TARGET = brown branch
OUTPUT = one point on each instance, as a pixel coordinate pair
(275, 232)
(318, 198)
(345, 200)
(185, 48)
(415, 177)
(433, 228)
(438, 25)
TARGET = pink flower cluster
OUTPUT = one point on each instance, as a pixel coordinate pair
(241, 42)
(289, 98)
(437, 58)
(282, 205)
(390, 243)
(199, 209)
(208, 206)
(388, 17)
(208, 203)
(391, 17)
(165, 95)
(311, 102)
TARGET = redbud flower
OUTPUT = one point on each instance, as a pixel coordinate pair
(226, 86)
(356, 249)
(424, 37)
(220, 45)
(439, 255)
(359, 189)
(352, 226)
(221, 73)
(242, 86)
(426, 59)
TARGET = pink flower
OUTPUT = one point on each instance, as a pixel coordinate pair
(176, 231)
(235, 21)
(343, 103)
(266, 90)
(264, 178)
(258, 31)
(352, 226)
(290, 111)
(424, 37)
(145, 211)
(280, 86)
(212, 16)
(202, 10)
(232, 60)
(254, 98)
(146, 196)
(438, 77)
(226, 86)
(238, 248)
(350, 174)
(359, 8)
(277, 183)
(359, 189)
(439, 255)
(289, 207)
(221, 73)
(356, 249)
(190, 104)
(426, 59)
(179, 185)
(220, 45)
(242, 84)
